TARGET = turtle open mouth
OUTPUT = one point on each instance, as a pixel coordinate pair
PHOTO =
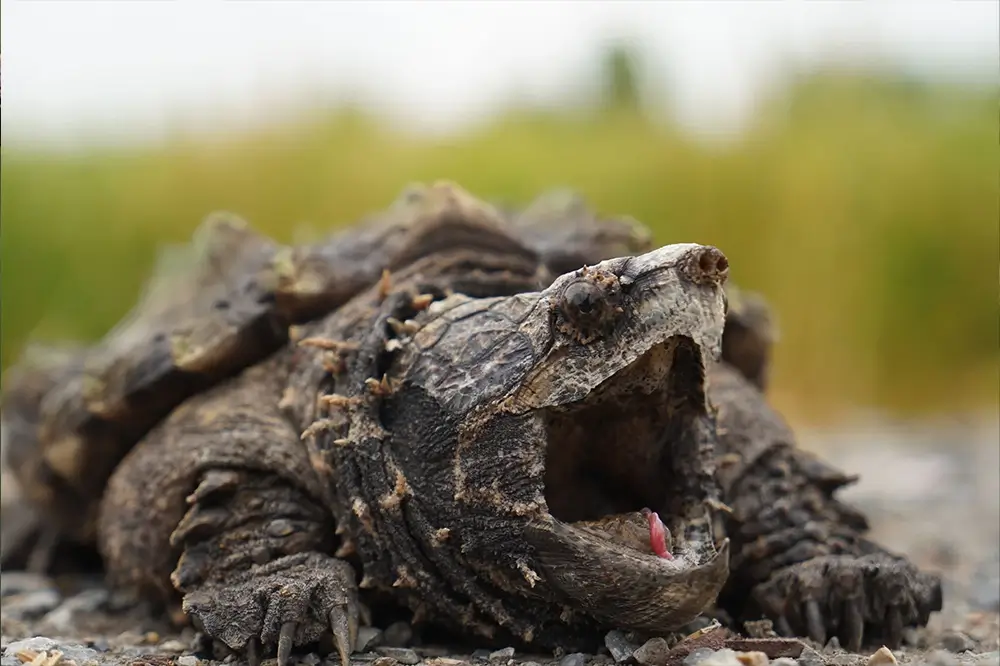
(625, 484)
(618, 450)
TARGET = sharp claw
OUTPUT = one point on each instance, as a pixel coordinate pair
(253, 654)
(345, 632)
(285, 641)
(854, 624)
(893, 628)
(814, 622)
(783, 627)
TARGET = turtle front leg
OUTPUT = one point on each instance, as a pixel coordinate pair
(800, 556)
(220, 508)
(254, 568)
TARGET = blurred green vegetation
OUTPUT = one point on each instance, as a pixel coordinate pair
(864, 208)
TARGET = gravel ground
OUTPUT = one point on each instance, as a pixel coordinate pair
(931, 491)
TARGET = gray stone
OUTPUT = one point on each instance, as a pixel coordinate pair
(402, 655)
(619, 646)
(187, 660)
(832, 645)
(481, 654)
(502, 655)
(368, 639)
(173, 645)
(21, 582)
(31, 604)
(63, 618)
(784, 661)
(71, 651)
(311, 659)
(956, 641)
(652, 653)
(810, 657)
(397, 634)
(574, 659)
(724, 657)
(698, 656)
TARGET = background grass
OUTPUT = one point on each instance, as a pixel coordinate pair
(865, 209)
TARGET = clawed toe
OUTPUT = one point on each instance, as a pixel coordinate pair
(279, 606)
(253, 652)
(285, 641)
(344, 625)
(852, 598)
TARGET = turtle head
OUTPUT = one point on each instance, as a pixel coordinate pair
(580, 475)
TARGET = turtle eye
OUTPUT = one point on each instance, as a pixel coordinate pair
(583, 300)
(590, 305)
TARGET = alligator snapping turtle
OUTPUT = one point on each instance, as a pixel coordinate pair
(504, 451)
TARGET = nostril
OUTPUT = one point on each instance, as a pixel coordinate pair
(709, 265)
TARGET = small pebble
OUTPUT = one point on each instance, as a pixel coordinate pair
(173, 645)
(311, 659)
(652, 653)
(502, 655)
(810, 657)
(724, 657)
(697, 656)
(397, 634)
(832, 645)
(368, 639)
(187, 660)
(752, 658)
(619, 646)
(882, 657)
(31, 604)
(574, 659)
(956, 641)
(760, 629)
(402, 655)
(384, 661)
(70, 651)
(784, 661)
(481, 654)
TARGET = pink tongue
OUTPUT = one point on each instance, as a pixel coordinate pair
(658, 535)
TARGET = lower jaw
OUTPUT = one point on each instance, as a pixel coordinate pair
(625, 588)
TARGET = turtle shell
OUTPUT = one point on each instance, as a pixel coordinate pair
(223, 303)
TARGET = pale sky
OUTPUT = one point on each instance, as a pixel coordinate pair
(78, 70)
